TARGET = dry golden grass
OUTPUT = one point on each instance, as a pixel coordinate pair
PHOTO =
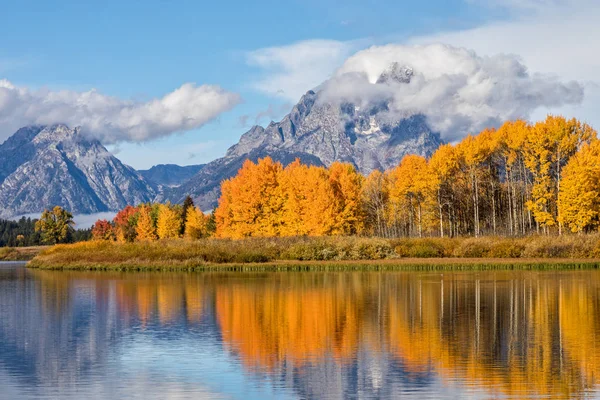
(19, 253)
(333, 252)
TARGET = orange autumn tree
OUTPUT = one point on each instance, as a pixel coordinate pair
(347, 187)
(125, 224)
(309, 201)
(103, 230)
(251, 202)
(265, 199)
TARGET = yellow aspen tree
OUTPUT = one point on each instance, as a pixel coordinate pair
(409, 186)
(195, 223)
(347, 186)
(443, 165)
(548, 148)
(168, 224)
(321, 217)
(511, 139)
(580, 190)
(145, 229)
(375, 194)
(309, 201)
(474, 152)
(293, 185)
(251, 203)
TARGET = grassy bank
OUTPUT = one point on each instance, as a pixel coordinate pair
(329, 253)
(19, 253)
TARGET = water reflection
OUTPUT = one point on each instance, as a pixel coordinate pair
(306, 335)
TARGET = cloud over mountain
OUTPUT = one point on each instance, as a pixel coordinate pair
(111, 119)
(289, 71)
(456, 89)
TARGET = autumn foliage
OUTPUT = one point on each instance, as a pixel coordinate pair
(266, 199)
(150, 222)
(519, 179)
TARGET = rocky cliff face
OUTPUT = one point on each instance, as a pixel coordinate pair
(320, 132)
(47, 166)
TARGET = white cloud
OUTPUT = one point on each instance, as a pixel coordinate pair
(111, 119)
(457, 90)
(558, 37)
(290, 71)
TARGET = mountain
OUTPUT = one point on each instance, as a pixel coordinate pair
(320, 132)
(169, 175)
(55, 165)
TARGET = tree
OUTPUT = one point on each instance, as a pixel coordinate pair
(548, 148)
(55, 225)
(375, 202)
(145, 229)
(125, 223)
(169, 222)
(347, 187)
(309, 201)
(187, 204)
(195, 224)
(103, 230)
(580, 190)
(251, 203)
(474, 152)
(410, 192)
(443, 165)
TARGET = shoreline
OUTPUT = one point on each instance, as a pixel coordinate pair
(324, 253)
(402, 264)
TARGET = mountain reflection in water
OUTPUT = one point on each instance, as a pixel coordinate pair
(298, 335)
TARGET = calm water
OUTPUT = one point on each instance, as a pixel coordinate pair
(298, 335)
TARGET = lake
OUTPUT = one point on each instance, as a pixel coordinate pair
(88, 335)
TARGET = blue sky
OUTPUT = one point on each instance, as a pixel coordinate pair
(141, 50)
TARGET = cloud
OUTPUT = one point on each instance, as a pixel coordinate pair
(290, 71)
(272, 112)
(558, 37)
(457, 90)
(110, 119)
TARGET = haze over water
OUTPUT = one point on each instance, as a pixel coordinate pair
(74, 335)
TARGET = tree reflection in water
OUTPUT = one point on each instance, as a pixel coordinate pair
(334, 334)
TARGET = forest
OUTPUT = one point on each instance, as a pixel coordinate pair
(520, 179)
(23, 233)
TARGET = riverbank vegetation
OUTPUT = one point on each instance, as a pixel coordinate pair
(19, 253)
(320, 251)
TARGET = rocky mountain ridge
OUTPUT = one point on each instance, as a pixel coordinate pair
(56, 165)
